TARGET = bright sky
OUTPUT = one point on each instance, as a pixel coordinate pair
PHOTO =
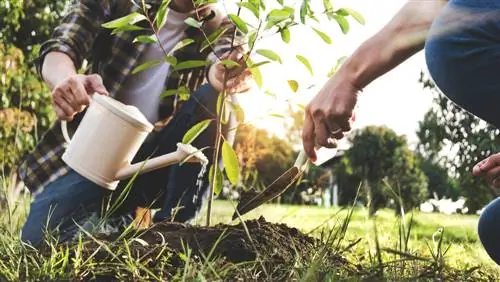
(396, 99)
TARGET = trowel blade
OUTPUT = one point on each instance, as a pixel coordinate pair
(272, 191)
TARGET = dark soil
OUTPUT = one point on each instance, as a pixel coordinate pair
(268, 245)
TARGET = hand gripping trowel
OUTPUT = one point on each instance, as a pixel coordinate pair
(281, 184)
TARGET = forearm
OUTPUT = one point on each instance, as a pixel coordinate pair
(56, 68)
(400, 39)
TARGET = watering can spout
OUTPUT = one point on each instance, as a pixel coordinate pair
(184, 153)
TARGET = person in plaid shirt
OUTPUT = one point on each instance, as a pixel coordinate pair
(62, 196)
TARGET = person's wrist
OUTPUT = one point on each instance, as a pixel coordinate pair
(350, 76)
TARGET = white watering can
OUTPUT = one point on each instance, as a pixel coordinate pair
(108, 137)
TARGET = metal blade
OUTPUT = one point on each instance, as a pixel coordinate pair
(272, 191)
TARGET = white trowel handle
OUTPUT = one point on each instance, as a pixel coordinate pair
(301, 159)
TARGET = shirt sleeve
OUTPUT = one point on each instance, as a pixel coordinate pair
(77, 31)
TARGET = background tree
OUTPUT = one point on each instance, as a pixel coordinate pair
(25, 104)
(457, 139)
(382, 160)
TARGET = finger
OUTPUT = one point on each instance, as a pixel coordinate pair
(94, 83)
(81, 97)
(476, 170)
(68, 94)
(491, 162)
(308, 136)
(321, 133)
(65, 108)
(493, 175)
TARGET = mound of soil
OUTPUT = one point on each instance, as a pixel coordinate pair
(248, 241)
(271, 245)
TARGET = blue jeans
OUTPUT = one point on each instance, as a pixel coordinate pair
(73, 199)
(465, 64)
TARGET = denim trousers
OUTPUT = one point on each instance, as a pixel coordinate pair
(463, 58)
(71, 202)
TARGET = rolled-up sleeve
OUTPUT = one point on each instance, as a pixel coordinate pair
(76, 33)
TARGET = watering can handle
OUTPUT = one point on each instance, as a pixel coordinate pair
(64, 130)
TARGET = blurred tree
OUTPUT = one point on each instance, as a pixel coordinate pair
(25, 24)
(25, 104)
(382, 159)
(263, 157)
(462, 139)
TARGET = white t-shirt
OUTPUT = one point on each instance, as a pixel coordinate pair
(143, 89)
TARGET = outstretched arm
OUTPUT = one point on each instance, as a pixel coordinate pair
(328, 114)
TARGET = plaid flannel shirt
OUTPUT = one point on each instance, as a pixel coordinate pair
(81, 37)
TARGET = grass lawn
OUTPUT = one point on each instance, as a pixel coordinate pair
(465, 251)
(369, 244)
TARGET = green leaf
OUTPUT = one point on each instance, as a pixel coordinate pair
(285, 35)
(126, 28)
(276, 16)
(171, 60)
(192, 22)
(161, 14)
(231, 163)
(340, 61)
(240, 24)
(218, 179)
(355, 14)
(252, 37)
(183, 93)
(306, 63)
(146, 39)
(256, 74)
(323, 36)
(230, 63)
(343, 23)
(182, 44)
(212, 38)
(258, 64)
(170, 92)
(277, 115)
(146, 65)
(251, 7)
(190, 64)
(327, 4)
(129, 19)
(304, 9)
(294, 85)
(238, 111)
(195, 131)
(270, 54)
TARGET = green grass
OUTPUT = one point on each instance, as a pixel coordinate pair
(376, 245)
(459, 230)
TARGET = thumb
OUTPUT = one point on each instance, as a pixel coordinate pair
(94, 83)
(486, 164)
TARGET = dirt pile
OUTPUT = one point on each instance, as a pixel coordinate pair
(255, 239)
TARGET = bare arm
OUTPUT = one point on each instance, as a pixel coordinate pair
(328, 114)
(400, 39)
(56, 68)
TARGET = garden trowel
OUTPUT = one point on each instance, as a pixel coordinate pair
(280, 185)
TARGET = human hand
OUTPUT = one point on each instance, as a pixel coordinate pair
(238, 77)
(329, 114)
(72, 95)
(490, 169)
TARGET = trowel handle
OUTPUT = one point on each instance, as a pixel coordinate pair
(301, 159)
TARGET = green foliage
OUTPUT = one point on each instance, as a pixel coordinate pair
(262, 157)
(448, 128)
(382, 160)
(25, 102)
(25, 107)
(26, 24)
